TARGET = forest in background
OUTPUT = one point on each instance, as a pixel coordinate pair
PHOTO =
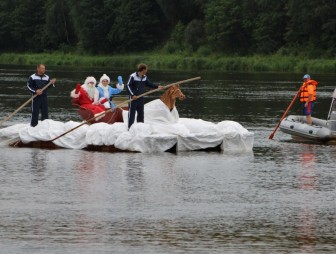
(204, 27)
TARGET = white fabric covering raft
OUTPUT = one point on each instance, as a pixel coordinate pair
(11, 134)
(161, 131)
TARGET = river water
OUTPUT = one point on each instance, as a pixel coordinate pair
(279, 198)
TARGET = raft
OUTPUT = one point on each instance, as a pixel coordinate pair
(297, 127)
(162, 131)
(320, 130)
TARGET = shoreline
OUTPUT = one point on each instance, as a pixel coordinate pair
(157, 61)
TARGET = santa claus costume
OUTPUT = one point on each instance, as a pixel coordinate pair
(88, 95)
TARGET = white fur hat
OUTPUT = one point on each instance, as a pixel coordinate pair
(104, 77)
(90, 79)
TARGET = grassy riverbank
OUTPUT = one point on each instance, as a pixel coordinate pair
(156, 61)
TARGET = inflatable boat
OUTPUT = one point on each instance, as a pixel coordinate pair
(320, 130)
(297, 126)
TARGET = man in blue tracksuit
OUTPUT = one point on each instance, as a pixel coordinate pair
(35, 83)
(136, 86)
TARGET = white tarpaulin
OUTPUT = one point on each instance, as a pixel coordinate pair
(161, 131)
(11, 134)
(157, 112)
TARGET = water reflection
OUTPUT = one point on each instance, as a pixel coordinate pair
(38, 164)
(91, 178)
(134, 173)
(307, 183)
(308, 174)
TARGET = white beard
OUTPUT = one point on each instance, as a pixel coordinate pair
(91, 91)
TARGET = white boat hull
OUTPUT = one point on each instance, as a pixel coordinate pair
(297, 127)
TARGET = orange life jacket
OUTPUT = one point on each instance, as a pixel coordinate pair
(304, 90)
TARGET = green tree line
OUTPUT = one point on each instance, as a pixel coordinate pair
(205, 27)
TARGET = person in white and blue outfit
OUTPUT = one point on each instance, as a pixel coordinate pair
(107, 91)
(35, 84)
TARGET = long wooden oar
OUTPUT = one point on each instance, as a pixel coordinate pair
(284, 115)
(123, 103)
(24, 104)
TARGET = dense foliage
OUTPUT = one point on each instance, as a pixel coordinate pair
(205, 27)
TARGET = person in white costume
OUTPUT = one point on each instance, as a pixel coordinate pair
(107, 91)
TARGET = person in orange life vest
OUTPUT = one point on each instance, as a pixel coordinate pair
(88, 95)
(308, 96)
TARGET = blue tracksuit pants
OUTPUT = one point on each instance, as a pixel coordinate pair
(39, 103)
(138, 107)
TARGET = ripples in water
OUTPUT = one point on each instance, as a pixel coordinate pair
(279, 198)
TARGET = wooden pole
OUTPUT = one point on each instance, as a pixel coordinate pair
(24, 104)
(284, 115)
(123, 103)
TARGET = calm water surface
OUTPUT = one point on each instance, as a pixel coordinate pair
(279, 198)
